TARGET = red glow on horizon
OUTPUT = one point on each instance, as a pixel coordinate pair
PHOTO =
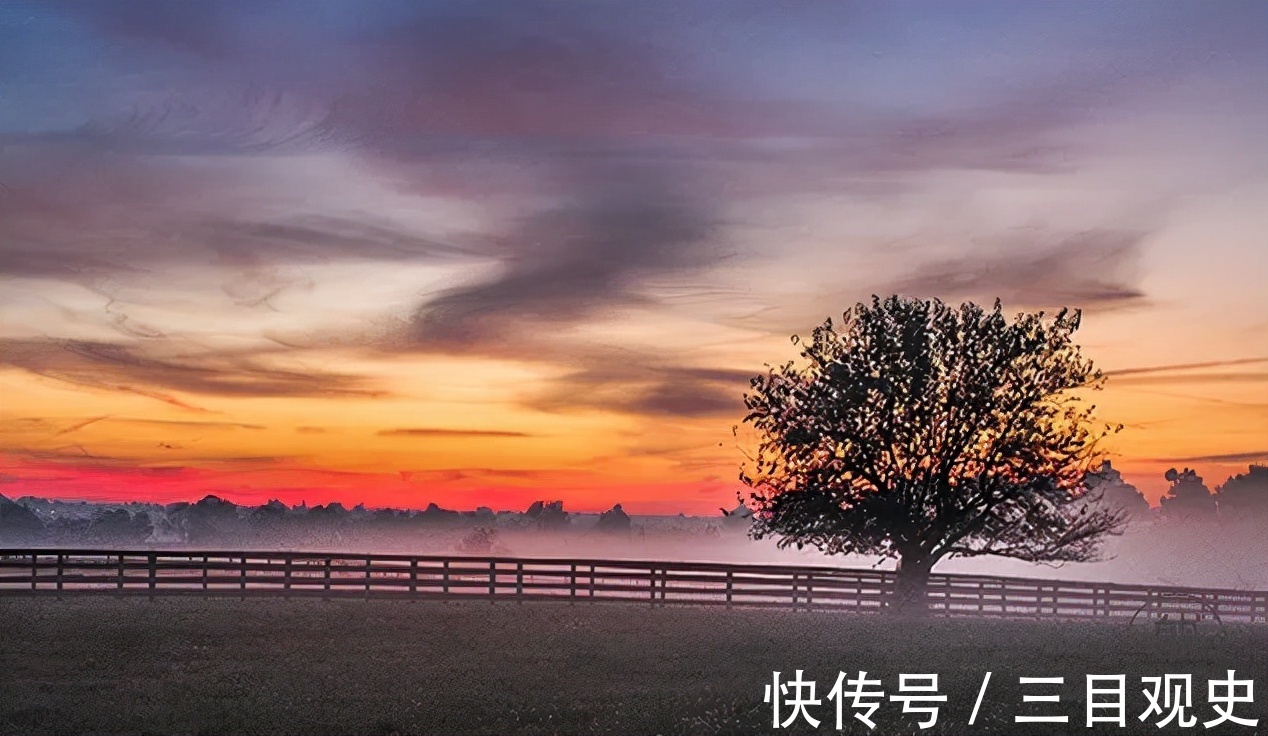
(253, 487)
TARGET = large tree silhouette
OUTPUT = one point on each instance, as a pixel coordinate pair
(919, 431)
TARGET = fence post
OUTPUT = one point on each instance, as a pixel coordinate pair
(153, 574)
(445, 579)
(413, 575)
(651, 578)
(242, 578)
(120, 572)
(794, 591)
(326, 578)
(810, 591)
(60, 559)
(572, 585)
(205, 561)
(493, 580)
(592, 583)
(35, 569)
(730, 585)
(519, 582)
(367, 576)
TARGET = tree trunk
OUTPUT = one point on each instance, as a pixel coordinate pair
(911, 586)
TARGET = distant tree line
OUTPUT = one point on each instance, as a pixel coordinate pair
(1241, 496)
(216, 521)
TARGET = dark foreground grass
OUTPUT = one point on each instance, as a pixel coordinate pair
(194, 666)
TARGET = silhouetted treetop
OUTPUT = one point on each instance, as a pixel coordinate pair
(547, 514)
(18, 524)
(614, 520)
(1107, 486)
(1188, 496)
(1245, 493)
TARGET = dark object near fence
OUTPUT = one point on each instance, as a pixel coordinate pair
(322, 574)
(1195, 607)
(1168, 625)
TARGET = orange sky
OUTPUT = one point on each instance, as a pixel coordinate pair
(107, 444)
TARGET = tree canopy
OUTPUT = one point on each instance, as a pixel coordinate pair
(1187, 497)
(918, 431)
(1107, 487)
(1245, 493)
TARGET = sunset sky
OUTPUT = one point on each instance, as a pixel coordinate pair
(481, 253)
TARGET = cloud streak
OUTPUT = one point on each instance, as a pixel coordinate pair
(445, 433)
(1186, 366)
(1092, 270)
(80, 425)
(122, 367)
(649, 389)
(1233, 457)
(571, 263)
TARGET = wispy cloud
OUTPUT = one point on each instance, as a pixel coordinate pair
(1186, 366)
(1203, 379)
(127, 367)
(183, 424)
(647, 388)
(440, 432)
(80, 425)
(174, 423)
(1233, 457)
(1090, 270)
(569, 264)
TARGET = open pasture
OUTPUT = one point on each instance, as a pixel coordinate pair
(189, 665)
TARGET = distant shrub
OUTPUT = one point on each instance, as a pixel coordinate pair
(548, 514)
(481, 540)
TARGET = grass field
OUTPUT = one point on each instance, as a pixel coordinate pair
(193, 666)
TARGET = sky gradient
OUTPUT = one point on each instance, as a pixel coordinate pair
(484, 253)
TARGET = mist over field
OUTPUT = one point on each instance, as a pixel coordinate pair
(1155, 548)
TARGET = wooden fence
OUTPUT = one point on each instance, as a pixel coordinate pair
(78, 572)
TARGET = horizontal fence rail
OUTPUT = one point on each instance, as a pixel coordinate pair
(320, 574)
